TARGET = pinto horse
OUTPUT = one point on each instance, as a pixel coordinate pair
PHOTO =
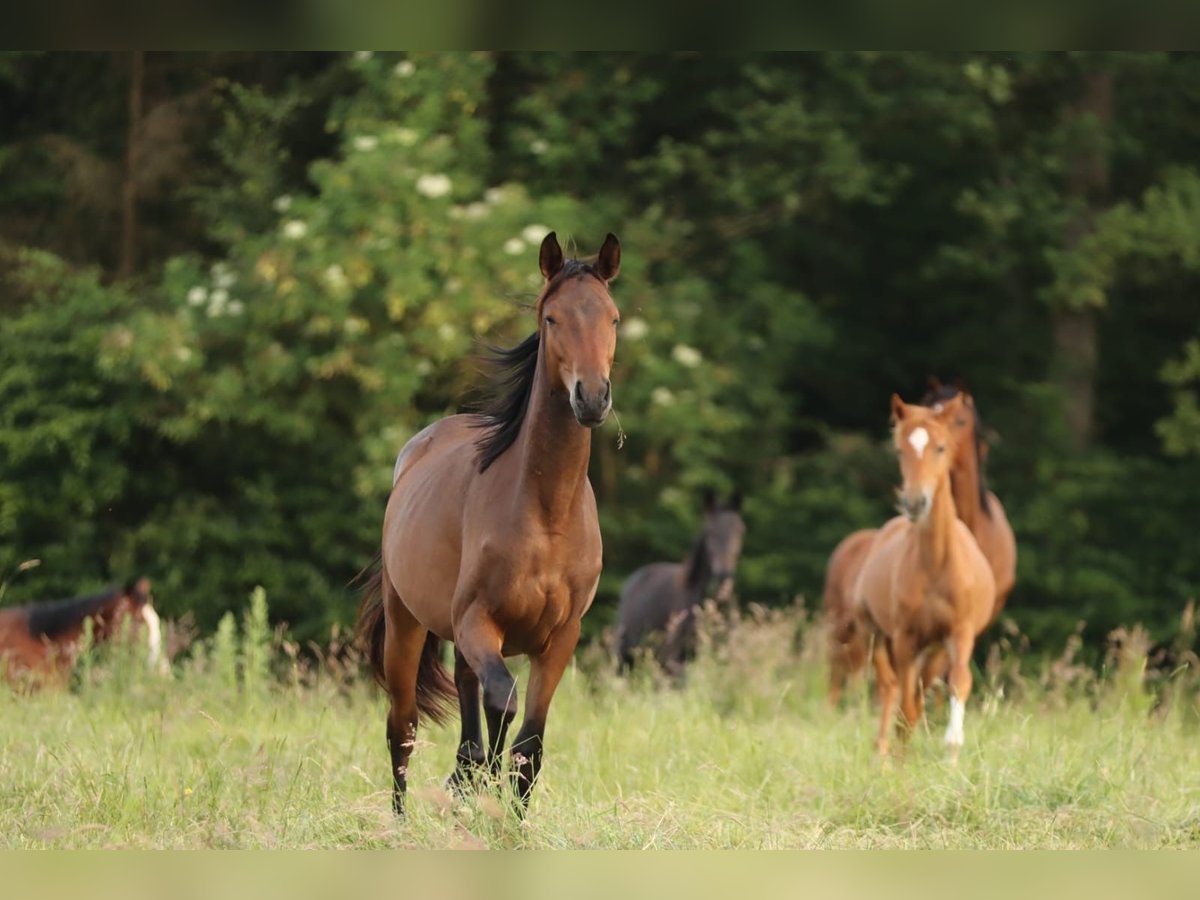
(978, 507)
(925, 583)
(663, 597)
(491, 538)
(41, 641)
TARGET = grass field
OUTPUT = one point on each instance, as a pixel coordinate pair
(746, 754)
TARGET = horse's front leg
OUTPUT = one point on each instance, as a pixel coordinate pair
(480, 642)
(960, 646)
(545, 671)
(888, 692)
(470, 757)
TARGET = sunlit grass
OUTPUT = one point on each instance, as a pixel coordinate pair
(745, 754)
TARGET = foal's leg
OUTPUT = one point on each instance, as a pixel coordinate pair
(936, 665)
(912, 695)
(404, 639)
(960, 647)
(480, 642)
(545, 672)
(888, 691)
(839, 666)
(470, 755)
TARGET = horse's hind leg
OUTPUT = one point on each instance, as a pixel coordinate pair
(470, 755)
(480, 642)
(544, 674)
(404, 639)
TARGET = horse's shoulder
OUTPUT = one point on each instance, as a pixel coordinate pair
(449, 432)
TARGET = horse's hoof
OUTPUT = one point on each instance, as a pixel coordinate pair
(457, 784)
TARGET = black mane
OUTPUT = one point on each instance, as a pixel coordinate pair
(503, 411)
(946, 392)
(53, 618)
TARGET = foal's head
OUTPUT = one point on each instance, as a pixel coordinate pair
(925, 442)
(577, 325)
(724, 532)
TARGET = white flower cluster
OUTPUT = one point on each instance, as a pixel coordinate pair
(215, 297)
(434, 185)
(634, 328)
(335, 277)
(686, 356)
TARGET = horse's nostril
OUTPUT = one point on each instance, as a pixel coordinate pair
(579, 391)
(607, 390)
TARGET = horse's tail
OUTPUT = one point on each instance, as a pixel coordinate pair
(436, 692)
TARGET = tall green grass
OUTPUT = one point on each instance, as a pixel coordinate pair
(246, 745)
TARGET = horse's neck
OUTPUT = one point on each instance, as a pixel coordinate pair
(554, 450)
(697, 570)
(937, 531)
(964, 484)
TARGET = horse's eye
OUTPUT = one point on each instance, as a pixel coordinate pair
(941, 448)
(616, 322)
(550, 320)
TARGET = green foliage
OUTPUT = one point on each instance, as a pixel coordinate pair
(328, 237)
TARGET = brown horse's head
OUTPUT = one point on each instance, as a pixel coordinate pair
(925, 443)
(972, 453)
(577, 325)
(135, 604)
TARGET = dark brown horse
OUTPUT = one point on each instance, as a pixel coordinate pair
(662, 599)
(40, 642)
(491, 538)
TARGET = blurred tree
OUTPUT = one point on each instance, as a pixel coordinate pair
(223, 317)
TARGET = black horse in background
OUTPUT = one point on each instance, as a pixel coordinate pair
(660, 600)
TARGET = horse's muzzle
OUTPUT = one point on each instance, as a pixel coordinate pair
(591, 407)
(914, 506)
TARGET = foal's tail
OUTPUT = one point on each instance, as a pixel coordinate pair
(436, 692)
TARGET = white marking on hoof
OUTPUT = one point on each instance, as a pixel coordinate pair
(954, 731)
(919, 440)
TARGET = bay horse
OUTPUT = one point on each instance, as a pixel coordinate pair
(925, 583)
(491, 538)
(40, 642)
(662, 598)
(975, 504)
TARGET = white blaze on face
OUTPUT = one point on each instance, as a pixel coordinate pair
(954, 731)
(919, 440)
(153, 635)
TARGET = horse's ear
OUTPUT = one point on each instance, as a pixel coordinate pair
(935, 383)
(551, 256)
(608, 263)
(710, 500)
(140, 589)
(898, 408)
(735, 501)
(951, 408)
